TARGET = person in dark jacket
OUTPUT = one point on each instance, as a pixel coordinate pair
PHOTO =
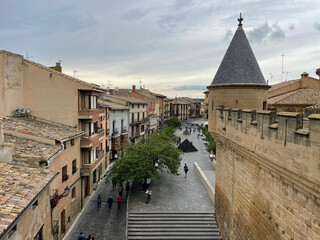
(82, 236)
(110, 201)
(99, 201)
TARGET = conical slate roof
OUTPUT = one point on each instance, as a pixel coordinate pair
(239, 65)
(187, 146)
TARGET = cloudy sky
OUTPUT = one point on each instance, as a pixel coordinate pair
(173, 47)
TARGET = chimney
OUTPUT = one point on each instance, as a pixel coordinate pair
(305, 74)
(133, 88)
(318, 72)
(57, 67)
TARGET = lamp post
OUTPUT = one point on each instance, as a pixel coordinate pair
(55, 199)
(65, 193)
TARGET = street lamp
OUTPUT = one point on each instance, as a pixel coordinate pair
(65, 193)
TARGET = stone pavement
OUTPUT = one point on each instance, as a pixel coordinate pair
(176, 193)
(102, 224)
(170, 193)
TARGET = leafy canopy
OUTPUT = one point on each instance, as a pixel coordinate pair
(138, 161)
(173, 122)
(211, 143)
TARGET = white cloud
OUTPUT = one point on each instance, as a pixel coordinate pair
(166, 43)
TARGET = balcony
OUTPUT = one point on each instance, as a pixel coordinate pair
(136, 134)
(99, 153)
(54, 198)
(124, 131)
(99, 130)
(90, 113)
(115, 132)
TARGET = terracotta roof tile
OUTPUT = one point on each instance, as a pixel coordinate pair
(46, 129)
(19, 185)
(30, 152)
(128, 99)
(298, 97)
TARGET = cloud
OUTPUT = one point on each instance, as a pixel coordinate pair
(190, 87)
(277, 33)
(260, 33)
(291, 27)
(266, 33)
(228, 35)
(316, 26)
(135, 14)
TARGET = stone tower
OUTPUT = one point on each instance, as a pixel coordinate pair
(239, 82)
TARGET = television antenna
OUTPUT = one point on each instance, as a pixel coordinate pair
(28, 56)
(282, 72)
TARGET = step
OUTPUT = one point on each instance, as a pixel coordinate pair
(212, 222)
(181, 229)
(170, 218)
(175, 237)
(171, 215)
(171, 227)
(174, 234)
(185, 213)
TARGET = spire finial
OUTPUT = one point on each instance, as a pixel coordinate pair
(240, 20)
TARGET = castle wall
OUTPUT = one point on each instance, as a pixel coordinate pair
(267, 175)
(234, 97)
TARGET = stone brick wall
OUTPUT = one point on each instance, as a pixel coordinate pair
(72, 206)
(267, 175)
(33, 219)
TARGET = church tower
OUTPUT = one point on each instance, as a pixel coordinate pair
(239, 82)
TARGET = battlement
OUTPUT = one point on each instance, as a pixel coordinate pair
(292, 123)
(286, 139)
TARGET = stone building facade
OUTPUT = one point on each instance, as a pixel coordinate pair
(25, 209)
(295, 95)
(138, 117)
(267, 165)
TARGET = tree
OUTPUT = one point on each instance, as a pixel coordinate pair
(173, 122)
(139, 161)
(211, 143)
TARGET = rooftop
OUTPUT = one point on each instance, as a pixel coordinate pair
(239, 65)
(19, 185)
(30, 152)
(116, 106)
(128, 99)
(298, 97)
(40, 128)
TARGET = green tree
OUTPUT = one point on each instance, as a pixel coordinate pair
(138, 162)
(173, 122)
(211, 143)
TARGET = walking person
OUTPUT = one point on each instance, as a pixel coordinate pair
(185, 170)
(98, 202)
(82, 236)
(127, 188)
(89, 237)
(110, 201)
(121, 190)
(114, 182)
(119, 201)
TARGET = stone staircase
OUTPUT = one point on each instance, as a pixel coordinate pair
(173, 225)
